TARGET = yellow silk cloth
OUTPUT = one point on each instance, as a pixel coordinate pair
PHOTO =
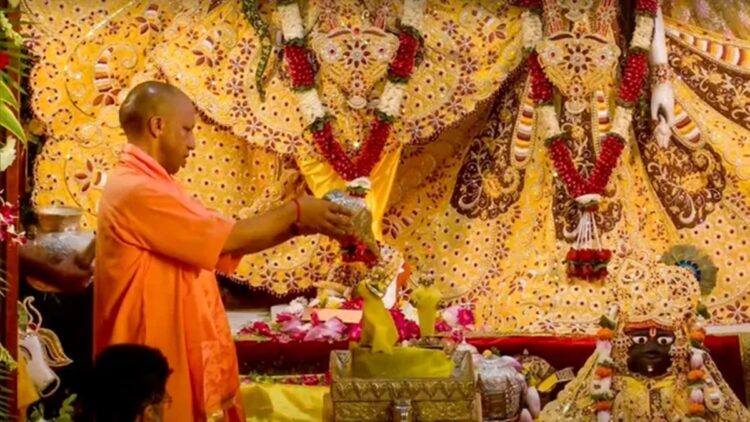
(283, 403)
(427, 299)
(404, 362)
(378, 329)
(27, 394)
(635, 401)
(322, 178)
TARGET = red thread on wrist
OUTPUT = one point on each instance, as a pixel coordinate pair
(298, 208)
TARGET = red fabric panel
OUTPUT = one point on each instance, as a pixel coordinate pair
(560, 352)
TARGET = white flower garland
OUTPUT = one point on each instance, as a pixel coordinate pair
(621, 123)
(413, 14)
(310, 105)
(361, 183)
(644, 32)
(291, 21)
(390, 101)
(531, 29)
(548, 122)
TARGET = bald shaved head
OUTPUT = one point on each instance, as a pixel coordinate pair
(145, 101)
(159, 118)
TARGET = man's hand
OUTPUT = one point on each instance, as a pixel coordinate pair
(321, 216)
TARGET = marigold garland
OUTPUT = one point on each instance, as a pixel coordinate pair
(601, 393)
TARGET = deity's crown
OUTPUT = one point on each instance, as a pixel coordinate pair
(656, 295)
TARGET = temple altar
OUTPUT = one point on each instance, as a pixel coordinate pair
(299, 398)
(521, 164)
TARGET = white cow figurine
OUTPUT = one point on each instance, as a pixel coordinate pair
(41, 348)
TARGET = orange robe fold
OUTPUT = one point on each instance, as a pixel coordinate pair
(156, 253)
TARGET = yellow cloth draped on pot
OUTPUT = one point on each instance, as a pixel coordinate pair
(283, 403)
(378, 329)
(322, 178)
(426, 300)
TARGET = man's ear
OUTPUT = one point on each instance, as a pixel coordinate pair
(155, 126)
(149, 414)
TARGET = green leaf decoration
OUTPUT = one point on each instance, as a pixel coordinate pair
(9, 121)
(7, 96)
(695, 260)
(607, 323)
(251, 11)
(702, 310)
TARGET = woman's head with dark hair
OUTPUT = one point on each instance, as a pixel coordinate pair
(129, 384)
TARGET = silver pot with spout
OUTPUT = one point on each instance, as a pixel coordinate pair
(58, 237)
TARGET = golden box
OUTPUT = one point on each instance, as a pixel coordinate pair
(453, 398)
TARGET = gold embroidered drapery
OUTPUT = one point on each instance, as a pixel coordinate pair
(477, 204)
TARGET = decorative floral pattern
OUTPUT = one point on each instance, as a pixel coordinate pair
(509, 266)
(724, 88)
(690, 184)
(487, 184)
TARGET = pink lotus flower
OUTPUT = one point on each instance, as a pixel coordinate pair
(285, 317)
(354, 304)
(291, 325)
(407, 329)
(465, 317)
(331, 330)
(258, 328)
(441, 326)
(309, 380)
(315, 319)
(355, 332)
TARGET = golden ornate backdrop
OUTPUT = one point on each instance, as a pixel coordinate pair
(471, 199)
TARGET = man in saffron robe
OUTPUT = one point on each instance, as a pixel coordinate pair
(157, 250)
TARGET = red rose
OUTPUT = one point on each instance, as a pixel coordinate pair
(604, 255)
(585, 255)
(572, 255)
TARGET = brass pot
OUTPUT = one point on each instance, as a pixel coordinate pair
(58, 219)
(58, 237)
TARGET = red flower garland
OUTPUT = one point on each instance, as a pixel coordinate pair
(530, 4)
(302, 75)
(647, 6)
(402, 66)
(300, 69)
(612, 146)
(590, 263)
(633, 78)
